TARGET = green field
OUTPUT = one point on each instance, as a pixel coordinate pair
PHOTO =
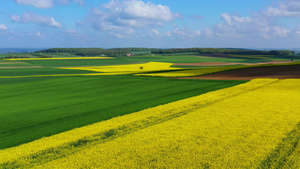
(32, 108)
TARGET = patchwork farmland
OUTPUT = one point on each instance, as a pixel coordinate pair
(180, 110)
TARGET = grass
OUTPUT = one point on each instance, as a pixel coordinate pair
(38, 107)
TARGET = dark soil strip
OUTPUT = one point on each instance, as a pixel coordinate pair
(281, 72)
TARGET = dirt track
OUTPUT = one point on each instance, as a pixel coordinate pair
(281, 72)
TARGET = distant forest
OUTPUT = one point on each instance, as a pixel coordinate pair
(226, 51)
(115, 52)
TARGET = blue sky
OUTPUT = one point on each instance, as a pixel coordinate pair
(153, 23)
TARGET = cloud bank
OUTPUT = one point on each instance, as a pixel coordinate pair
(122, 17)
(286, 8)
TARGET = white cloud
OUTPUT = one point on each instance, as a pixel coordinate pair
(227, 18)
(36, 34)
(155, 32)
(35, 18)
(287, 8)
(297, 30)
(66, 2)
(137, 10)
(15, 18)
(36, 3)
(187, 33)
(208, 33)
(63, 2)
(236, 26)
(71, 31)
(259, 25)
(196, 16)
(197, 33)
(168, 34)
(122, 17)
(120, 36)
(81, 2)
(3, 27)
(281, 32)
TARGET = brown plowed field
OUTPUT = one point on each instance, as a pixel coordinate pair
(281, 72)
(227, 63)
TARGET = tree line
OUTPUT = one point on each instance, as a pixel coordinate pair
(87, 51)
(225, 51)
(114, 52)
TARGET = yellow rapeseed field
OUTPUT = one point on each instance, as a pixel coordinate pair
(128, 69)
(58, 58)
(237, 127)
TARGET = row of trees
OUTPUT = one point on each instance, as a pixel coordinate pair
(224, 51)
(114, 52)
(88, 51)
(187, 50)
(124, 51)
